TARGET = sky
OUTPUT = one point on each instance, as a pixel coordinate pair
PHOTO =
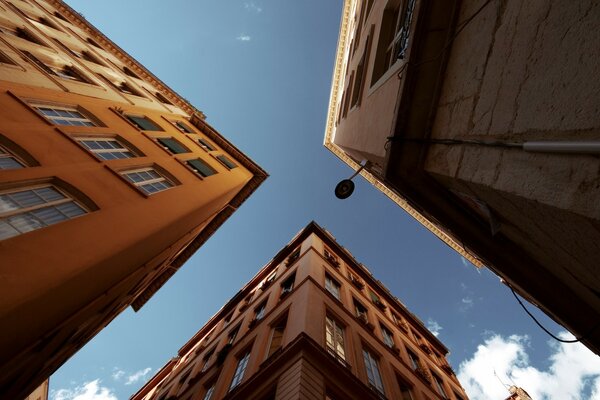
(261, 72)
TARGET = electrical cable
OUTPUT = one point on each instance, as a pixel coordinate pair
(546, 330)
(460, 27)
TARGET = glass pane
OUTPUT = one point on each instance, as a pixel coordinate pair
(201, 168)
(24, 222)
(9, 163)
(7, 230)
(226, 161)
(173, 145)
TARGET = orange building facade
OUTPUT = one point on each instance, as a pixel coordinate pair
(109, 182)
(312, 324)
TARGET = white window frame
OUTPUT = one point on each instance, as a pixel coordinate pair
(98, 152)
(388, 336)
(373, 373)
(334, 338)
(333, 286)
(140, 185)
(5, 215)
(5, 153)
(240, 369)
(82, 120)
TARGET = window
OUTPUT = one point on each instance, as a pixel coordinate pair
(396, 319)
(373, 374)
(232, 334)
(288, 285)
(64, 115)
(148, 180)
(332, 286)
(239, 371)
(388, 336)
(458, 396)
(201, 168)
(4, 59)
(226, 161)
(209, 393)
(183, 127)
(129, 72)
(9, 161)
(334, 338)
(142, 122)
(25, 210)
(227, 318)
(88, 56)
(392, 37)
(172, 145)
(360, 310)
(106, 148)
(272, 276)
(277, 335)
(414, 360)
(24, 34)
(259, 311)
(439, 385)
(162, 98)
(374, 297)
(205, 144)
(93, 43)
(405, 389)
(329, 256)
(357, 90)
(207, 358)
(60, 16)
(126, 88)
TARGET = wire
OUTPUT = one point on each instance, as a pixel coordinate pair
(460, 27)
(546, 330)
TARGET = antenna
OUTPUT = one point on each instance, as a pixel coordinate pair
(500, 380)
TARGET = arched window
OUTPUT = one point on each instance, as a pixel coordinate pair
(13, 156)
(27, 208)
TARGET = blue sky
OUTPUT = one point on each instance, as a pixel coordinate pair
(261, 72)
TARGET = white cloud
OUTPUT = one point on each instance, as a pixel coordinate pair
(466, 304)
(573, 372)
(117, 374)
(88, 391)
(464, 261)
(136, 376)
(244, 38)
(251, 6)
(434, 327)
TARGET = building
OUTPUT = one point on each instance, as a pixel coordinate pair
(312, 324)
(480, 119)
(516, 393)
(109, 181)
(41, 393)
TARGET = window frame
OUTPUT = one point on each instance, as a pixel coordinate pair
(6, 153)
(138, 185)
(240, 370)
(330, 283)
(336, 330)
(125, 145)
(225, 161)
(387, 336)
(86, 116)
(131, 119)
(373, 371)
(196, 171)
(66, 199)
(159, 141)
